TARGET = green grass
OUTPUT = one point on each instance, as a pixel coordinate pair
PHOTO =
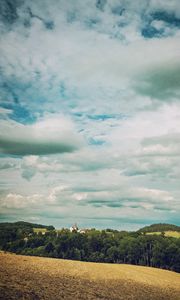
(37, 230)
(175, 234)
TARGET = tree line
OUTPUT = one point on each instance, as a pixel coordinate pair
(110, 246)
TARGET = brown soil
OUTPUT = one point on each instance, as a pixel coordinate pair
(23, 277)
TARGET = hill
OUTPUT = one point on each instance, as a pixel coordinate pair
(23, 225)
(160, 227)
(23, 277)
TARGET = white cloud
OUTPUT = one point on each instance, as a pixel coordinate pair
(85, 59)
(48, 136)
(18, 201)
(169, 6)
(55, 193)
(4, 111)
(91, 62)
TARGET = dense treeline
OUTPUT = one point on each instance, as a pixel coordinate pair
(98, 246)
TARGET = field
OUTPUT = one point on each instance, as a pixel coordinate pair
(175, 234)
(42, 230)
(25, 277)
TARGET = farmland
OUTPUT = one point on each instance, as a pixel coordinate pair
(25, 277)
(40, 230)
(175, 234)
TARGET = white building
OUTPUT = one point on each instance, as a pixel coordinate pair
(74, 228)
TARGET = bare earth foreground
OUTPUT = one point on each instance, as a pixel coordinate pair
(23, 277)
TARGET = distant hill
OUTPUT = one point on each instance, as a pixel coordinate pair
(23, 225)
(161, 227)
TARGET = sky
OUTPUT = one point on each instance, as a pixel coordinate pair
(90, 112)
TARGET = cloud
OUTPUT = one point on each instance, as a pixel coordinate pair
(7, 165)
(166, 140)
(133, 198)
(98, 159)
(161, 82)
(18, 201)
(48, 136)
(86, 58)
(4, 112)
(96, 84)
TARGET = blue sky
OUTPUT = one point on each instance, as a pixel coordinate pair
(90, 112)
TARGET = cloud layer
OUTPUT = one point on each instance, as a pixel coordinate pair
(50, 136)
(90, 112)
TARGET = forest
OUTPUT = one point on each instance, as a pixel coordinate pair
(109, 246)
